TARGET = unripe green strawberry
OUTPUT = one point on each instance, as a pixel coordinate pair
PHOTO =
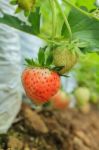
(40, 84)
(64, 57)
(82, 95)
(26, 5)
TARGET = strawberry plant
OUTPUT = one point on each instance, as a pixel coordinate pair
(40, 79)
(71, 31)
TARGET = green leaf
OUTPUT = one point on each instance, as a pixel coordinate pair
(67, 8)
(20, 25)
(83, 28)
(89, 4)
(15, 23)
(87, 72)
(30, 62)
(49, 59)
(26, 13)
(18, 10)
(41, 56)
(34, 19)
(13, 2)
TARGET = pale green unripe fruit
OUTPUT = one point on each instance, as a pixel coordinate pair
(82, 95)
(64, 57)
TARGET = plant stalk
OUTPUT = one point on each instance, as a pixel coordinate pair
(53, 18)
(65, 20)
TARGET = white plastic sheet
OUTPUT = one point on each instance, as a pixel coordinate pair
(10, 58)
(14, 47)
(10, 95)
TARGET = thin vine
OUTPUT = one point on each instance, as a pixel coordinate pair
(65, 20)
(53, 18)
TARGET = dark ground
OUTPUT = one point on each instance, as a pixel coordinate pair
(53, 130)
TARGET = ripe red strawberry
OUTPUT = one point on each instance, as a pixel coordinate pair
(60, 100)
(64, 57)
(40, 84)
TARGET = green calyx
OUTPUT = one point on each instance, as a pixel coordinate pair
(44, 60)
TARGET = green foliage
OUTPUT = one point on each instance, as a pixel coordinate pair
(30, 62)
(44, 59)
(13, 2)
(26, 6)
(34, 19)
(45, 10)
(67, 8)
(14, 22)
(41, 56)
(49, 59)
(96, 13)
(89, 4)
(83, 28)
(87, 72)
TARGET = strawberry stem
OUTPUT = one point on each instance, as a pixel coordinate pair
(65, 20)
(53, 18)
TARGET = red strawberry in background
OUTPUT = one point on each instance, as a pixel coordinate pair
(60, 100)
(40, 84)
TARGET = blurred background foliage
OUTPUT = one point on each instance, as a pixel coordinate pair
(87, 74)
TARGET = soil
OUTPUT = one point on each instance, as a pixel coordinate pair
(68, 129)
